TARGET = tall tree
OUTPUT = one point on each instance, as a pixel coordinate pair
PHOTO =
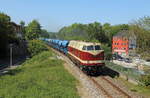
(76, 31)
(111, 30)
(44, 33)
(96, 32)
(33, 30)
(5, 24)
(141, 28)
(22, 23)
(6, 33)
(143, 22)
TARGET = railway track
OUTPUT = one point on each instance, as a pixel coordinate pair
(101, 88)
(103, 84)
(109, 88)
(116, 87)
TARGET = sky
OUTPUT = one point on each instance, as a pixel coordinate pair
(55, 14)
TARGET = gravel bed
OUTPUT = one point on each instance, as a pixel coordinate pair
(124, 88)
(109, 88)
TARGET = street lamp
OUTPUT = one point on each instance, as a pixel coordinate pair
(11, 46)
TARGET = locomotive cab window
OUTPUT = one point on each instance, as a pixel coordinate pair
(84, 48)
(90, 47)
(97, 47)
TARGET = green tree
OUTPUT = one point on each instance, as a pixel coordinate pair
(111, 30)
(53, 35)
(141, 28)
(95, 32)
(143, 22)
(76, 31)
(107, 51)
(6, 33)
(143, 40)
(33, 30)
(36, 46)
(107, 29)
(44, 33)
(5, 25)
(22, 23)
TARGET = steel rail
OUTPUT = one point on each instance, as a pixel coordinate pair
(101, 88)
(116, 87)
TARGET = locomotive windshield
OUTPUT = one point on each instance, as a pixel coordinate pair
(91, 47)
(97, 47)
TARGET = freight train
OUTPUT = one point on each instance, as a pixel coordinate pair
(88, 56)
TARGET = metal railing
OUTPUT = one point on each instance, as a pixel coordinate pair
(128, 72)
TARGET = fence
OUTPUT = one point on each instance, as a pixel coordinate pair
(130, 73)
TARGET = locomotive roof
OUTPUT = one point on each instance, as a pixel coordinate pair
(79, 44)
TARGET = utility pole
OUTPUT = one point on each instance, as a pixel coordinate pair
(11, 45)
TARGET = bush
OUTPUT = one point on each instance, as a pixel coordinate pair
(107, 51)
(36, 46)
(145, 79)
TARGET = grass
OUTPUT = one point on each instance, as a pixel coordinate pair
(145, 91)
(39, 77)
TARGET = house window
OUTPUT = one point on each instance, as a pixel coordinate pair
(124, 48)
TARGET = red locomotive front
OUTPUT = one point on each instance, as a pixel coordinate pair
(88, 56)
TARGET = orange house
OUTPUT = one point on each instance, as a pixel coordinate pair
(120, 43)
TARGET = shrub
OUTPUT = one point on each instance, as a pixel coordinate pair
(107, 51)
(36, 46)
(145, 79)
